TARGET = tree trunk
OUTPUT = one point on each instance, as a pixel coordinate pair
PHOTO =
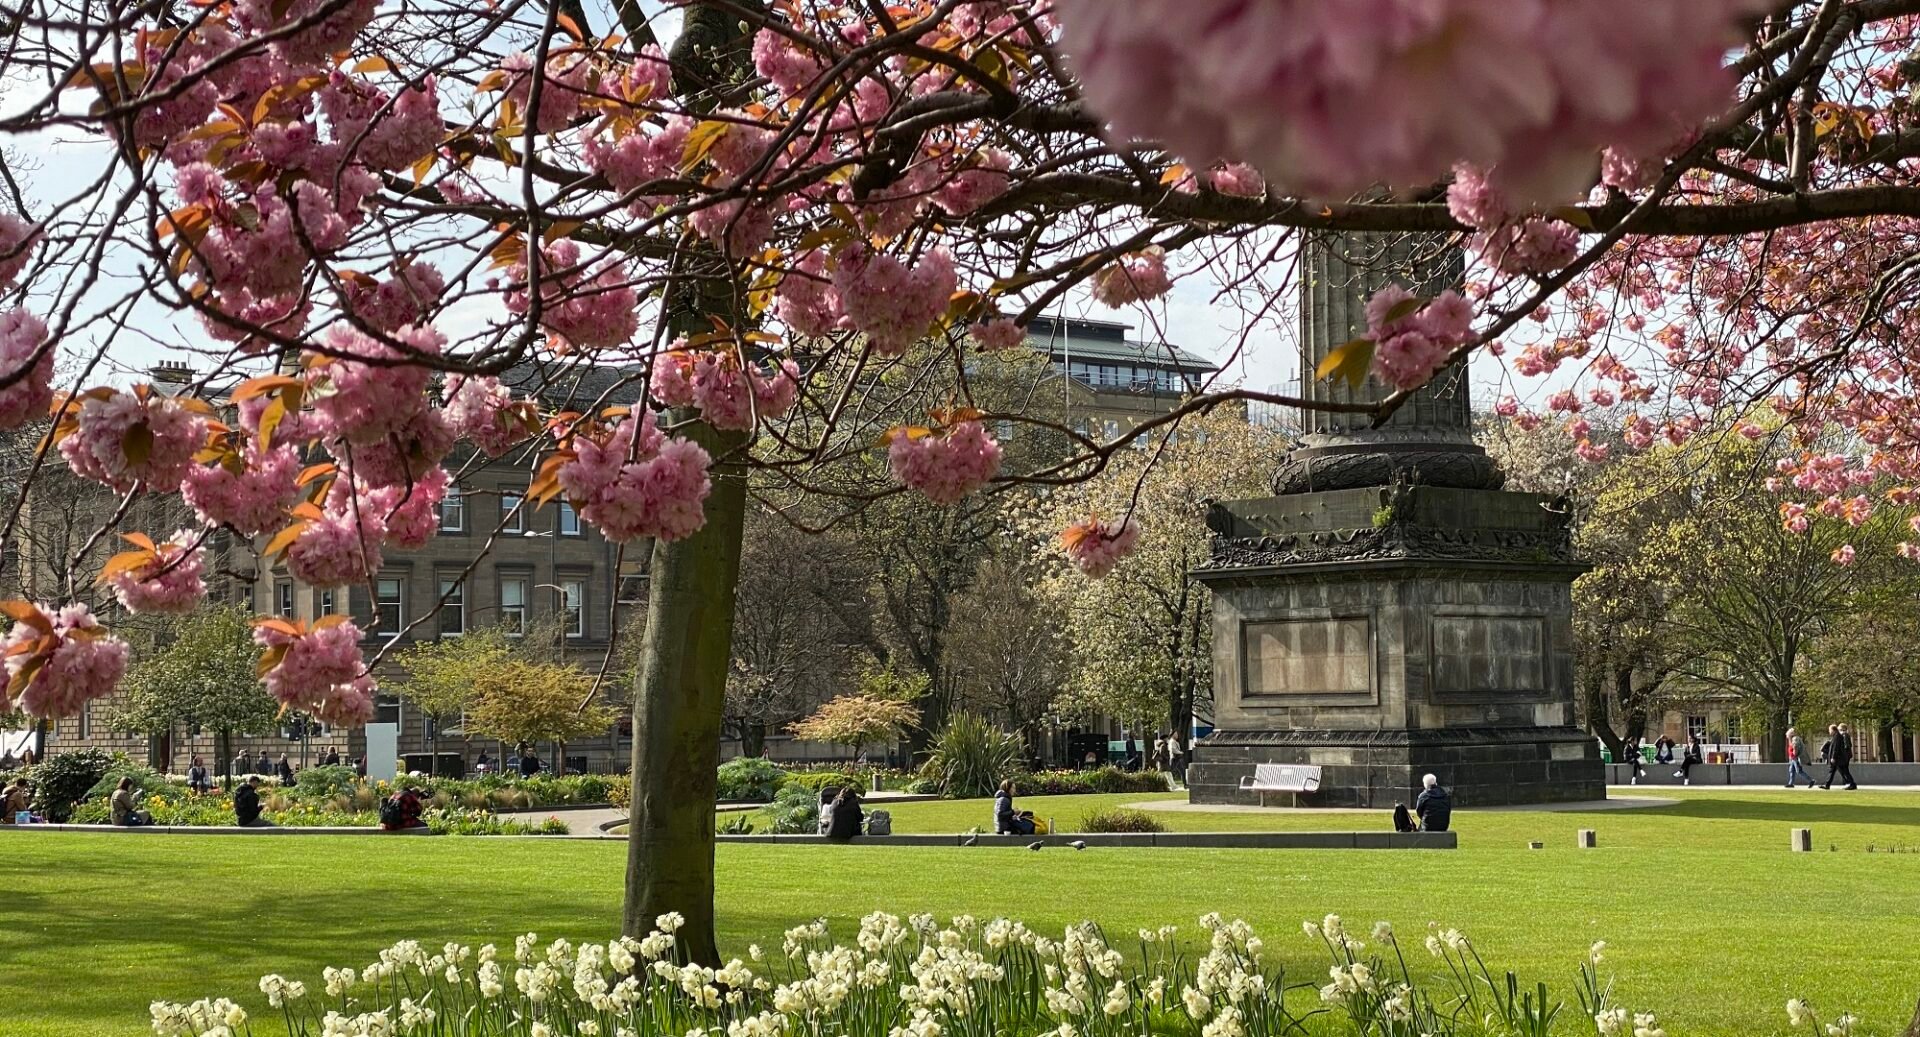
(677, 710)
(753, 739)
(223, 747)
(1774, 749)
(559, 759)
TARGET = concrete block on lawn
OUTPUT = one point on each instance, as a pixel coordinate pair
(1587, 839)
(1803, 840)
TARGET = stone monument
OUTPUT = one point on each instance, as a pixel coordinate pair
(1390, 611)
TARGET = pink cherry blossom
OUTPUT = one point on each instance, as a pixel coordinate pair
(568, 82)
(630, 156)
(319, 669)
(1474, 201)
(1843, 555)
(1531, 246)
(1793, 517)
(342, 546)
(1409, 347)
(655, 487)
(786, 64)
(365, 393)
(408, 297)
(892, 303)
(77, 662)
(1507, 407)
(737, 226)
(17, 240)
(404, 455)
(1134, 277)
(410, 513)
(946, 464)
(484, 411)
(981, 180)
(252, 495)
(1329, 100)
(1096, 545)
(380, 134)
(590, 307)
(170, 581)
(31, 392)
(806, 301)
(332, 34)
(123, 439)
(997, 334)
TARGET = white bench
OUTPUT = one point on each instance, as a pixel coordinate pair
(1281, 777)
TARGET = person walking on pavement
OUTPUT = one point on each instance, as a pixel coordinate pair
(1840, 757)
(1797, 758)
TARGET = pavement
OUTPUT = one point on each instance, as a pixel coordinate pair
(1614, 803)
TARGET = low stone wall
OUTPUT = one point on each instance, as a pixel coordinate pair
(1212, 840)
(1763, 774)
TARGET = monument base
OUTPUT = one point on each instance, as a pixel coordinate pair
(1481, 767)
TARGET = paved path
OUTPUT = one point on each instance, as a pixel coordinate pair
(1615, 803)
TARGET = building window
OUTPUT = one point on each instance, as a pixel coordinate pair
(390, 601)
(386, 709)
(1697, 726)
(573, 606)
(569, 520)
(283, 598)
(1733, 730)
(326, 602)
(453, 511)
(86, 720)
(633, 589)
(513, 605)
(512, 519)
(453, 607)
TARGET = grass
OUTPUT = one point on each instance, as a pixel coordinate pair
(1710, 920)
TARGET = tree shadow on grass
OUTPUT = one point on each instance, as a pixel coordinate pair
(1819, 806)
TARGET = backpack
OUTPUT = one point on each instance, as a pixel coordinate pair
(392, 814)
(879, 822)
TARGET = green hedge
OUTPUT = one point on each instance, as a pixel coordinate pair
(1081, 783)
(1120, 819)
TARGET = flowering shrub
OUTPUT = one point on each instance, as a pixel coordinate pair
(914, 978)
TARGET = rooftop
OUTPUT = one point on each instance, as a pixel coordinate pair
(1106, 341)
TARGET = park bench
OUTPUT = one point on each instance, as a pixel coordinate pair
(1298, 779)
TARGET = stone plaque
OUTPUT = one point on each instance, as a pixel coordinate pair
(1318, 656)
(1489, 654)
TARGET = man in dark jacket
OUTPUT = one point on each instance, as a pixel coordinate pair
(246, 805)
(1840, 756)
(1434, 808)
(847, 818)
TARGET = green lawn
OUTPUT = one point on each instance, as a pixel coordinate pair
(1711, 921)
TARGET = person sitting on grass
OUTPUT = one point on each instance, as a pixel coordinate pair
(848, 820)
(246, 804)
(199, 779)
(121, 804)
(1007, 820)
(402, 810)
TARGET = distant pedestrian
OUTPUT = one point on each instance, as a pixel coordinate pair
(243, 763)
(284, 769)
(1160, 753)
(1176, 757)
(402, 810)
(1797, 758)
(483, 764)
(1008, 820)
(15, 801)
(1840, 756)
(529, 762)
(360, 765)
(1689, 759)
(1634, 759)
(332, 760)
(199, 781)
(1092, 760)
(1663, 750)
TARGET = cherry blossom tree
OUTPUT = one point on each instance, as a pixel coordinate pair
(787, 215)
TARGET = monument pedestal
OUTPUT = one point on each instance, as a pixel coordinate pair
(1383, 633)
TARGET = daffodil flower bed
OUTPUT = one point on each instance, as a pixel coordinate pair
(916, 978)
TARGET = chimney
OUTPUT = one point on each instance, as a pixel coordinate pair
(170, 374)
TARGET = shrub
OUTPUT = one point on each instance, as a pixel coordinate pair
(750, 779)
(64, 779)
(326, 782)
(795, 810)
(738, 824)
(1120, 819)
(972, 756)
(146, 781)
(814, 781)
(620, 794)
(1080, 783)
